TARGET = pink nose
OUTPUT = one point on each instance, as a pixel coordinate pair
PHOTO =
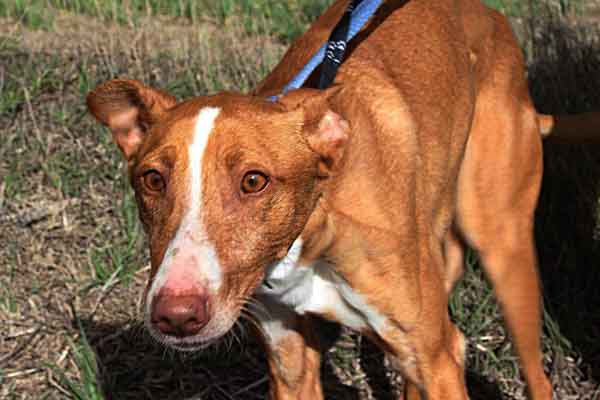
(180, 316)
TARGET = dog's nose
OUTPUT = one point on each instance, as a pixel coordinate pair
(180, 316)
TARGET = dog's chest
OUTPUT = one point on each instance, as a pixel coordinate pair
(317, 289)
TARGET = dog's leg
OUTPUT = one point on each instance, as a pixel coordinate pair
(454, 259)
(497, 194)
(292, 352)
(510, 263)
(440, 371)
(503, 236)
(428, 351)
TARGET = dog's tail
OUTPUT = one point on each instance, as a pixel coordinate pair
(575, 128)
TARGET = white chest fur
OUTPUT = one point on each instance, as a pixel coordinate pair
(319, 290)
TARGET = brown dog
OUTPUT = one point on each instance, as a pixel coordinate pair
(351, 203)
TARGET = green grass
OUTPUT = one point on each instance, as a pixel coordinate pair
(11, 179)
(7, 299)
(285, 19)
(475, 311)
(87, 385)
(118, 260)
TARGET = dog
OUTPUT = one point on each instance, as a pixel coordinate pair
(352, 203)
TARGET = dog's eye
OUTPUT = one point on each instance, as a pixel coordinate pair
(154, 181)
(254, 182)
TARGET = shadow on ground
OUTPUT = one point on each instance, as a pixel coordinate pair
(134, 366)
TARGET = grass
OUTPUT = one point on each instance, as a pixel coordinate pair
(117, 260)
(518, 8)
(74, 255)
(86, 386)
(283, 19)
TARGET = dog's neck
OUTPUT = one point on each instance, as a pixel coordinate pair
(333, 236)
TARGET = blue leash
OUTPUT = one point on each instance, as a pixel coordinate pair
(359, 12)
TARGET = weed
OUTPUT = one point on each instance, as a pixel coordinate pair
(86, 386)
(7, 300)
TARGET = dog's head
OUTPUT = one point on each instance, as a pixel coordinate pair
(224, 185)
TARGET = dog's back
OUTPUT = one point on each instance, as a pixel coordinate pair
(416, 69)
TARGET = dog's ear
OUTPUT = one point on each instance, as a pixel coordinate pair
(129, 109)
(327, 131)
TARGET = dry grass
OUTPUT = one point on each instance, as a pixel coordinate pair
(73, 256)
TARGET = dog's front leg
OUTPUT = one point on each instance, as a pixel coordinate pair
(292, 352)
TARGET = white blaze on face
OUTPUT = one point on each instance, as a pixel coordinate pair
(190, 260)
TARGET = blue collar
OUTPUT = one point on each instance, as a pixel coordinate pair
(331, 54)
